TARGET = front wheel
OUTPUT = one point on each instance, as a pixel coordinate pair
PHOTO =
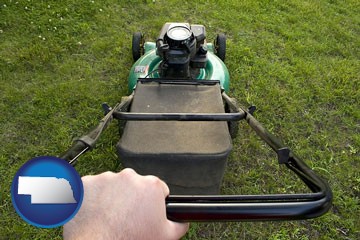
(137, 45)
(220, 46)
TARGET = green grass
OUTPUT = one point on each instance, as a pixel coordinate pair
(297, 61)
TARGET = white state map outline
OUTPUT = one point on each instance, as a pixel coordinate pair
(46, 190)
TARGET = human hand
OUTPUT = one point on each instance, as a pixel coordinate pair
(123, 205)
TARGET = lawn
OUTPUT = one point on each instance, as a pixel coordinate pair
(297, 61)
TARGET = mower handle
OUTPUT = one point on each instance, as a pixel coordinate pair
(88, 141)
(227, 207)
(257, 207)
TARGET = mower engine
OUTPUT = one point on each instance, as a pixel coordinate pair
(182, 48)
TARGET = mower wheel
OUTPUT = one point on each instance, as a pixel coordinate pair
(220, 46)
(137, 45)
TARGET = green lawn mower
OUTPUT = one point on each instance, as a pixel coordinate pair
(178, 123)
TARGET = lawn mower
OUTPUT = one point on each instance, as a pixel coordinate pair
(178, 123)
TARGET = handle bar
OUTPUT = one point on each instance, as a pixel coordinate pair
(256, 207)
(228, 207)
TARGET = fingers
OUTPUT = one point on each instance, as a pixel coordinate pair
(149, 180)
(128, 173)
(158, 183)
(176, 230)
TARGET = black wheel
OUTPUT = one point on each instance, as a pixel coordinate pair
(220, 46)
(137, 45)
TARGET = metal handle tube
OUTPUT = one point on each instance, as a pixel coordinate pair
(253, 207)
(88, 141)
(229, 207)
(179, 116)
(260, 211)
(77, 149)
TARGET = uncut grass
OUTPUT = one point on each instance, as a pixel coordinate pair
(297, 61)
